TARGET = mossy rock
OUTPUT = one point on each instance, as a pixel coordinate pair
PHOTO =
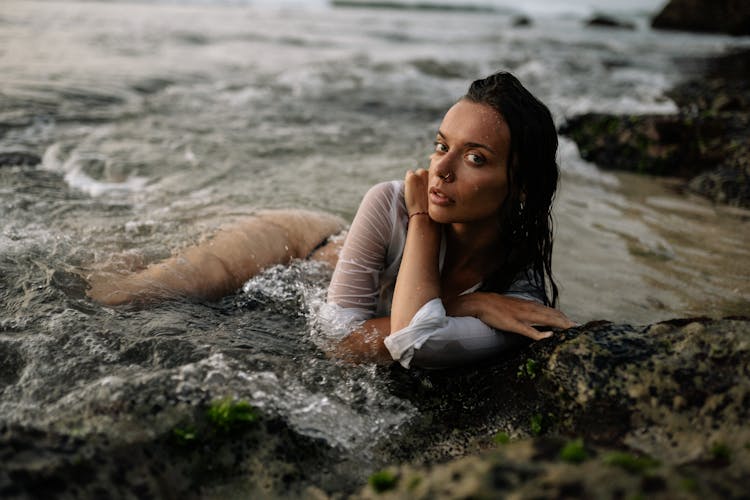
(551, 467)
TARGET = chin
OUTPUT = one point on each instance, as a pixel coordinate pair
(440, 216)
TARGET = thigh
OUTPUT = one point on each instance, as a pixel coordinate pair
(329, 251)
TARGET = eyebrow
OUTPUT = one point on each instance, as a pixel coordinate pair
(471, 144)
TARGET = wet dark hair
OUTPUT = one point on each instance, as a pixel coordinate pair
(526, 226)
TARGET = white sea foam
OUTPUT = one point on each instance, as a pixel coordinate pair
(571, 163)
(72, 164)
(79, 180)
(532, 7)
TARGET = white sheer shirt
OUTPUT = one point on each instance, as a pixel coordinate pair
(363, 282)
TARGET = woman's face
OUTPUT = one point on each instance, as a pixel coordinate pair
(468, 170)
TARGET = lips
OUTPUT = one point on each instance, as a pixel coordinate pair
(440, 198)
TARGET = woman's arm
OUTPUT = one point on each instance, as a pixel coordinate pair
(418, 279)
(436, 338)
(354, 291)
(510, 314)
(355, 284)
(365, 343)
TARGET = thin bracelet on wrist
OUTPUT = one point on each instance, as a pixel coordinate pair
(418, 213)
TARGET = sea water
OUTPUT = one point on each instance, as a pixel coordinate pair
(156, 123)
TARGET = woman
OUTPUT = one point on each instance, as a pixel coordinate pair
(469, 243)
(435, 269)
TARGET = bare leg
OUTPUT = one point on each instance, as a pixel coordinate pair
(328, 253)
(222, 264)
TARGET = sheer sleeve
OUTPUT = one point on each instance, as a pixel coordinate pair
(355, 288)
(434, 340)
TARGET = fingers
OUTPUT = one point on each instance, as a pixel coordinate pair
(415, 193)
(415, 179)
(532, 313)
(415, 176)
(552, 317)
(518, 315)
(546, 317)
(419, 172)
(530, 332)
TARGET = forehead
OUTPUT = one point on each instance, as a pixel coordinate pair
(468, 121)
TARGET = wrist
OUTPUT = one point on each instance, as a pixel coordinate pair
(471, 304)
(420, 218)
(427, 229)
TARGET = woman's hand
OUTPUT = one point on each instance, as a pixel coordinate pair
(418, 279)
(415, 193)
(509, 314)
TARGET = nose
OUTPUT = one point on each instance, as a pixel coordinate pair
(443, 166)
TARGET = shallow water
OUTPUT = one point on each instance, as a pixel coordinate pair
(158, 123)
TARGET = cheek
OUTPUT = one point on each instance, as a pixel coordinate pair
(482, 194)
(487, 196)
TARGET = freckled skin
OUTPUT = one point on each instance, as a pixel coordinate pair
(472, 150)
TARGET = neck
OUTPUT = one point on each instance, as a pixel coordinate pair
(472, 244)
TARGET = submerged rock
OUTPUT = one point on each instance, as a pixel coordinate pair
(19, 158)
(605, 21)
(521, 21)
(725, 184)
(714, 16)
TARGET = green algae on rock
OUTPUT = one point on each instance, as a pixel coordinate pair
(574, 452)
(383, 480)
(227, 414)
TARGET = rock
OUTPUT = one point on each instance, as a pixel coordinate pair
(428, 6)
(180, 458)
(671, 390)
(538, 468)
(707, 141)
(521, 22)
(11, 364)
(724, 184)
(19, 158)
(657, 411)
(605, 21)
(713, 16)
(598, 411)
(648, 144)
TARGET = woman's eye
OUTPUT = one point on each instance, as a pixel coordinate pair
(476, 159)
(440, 147)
